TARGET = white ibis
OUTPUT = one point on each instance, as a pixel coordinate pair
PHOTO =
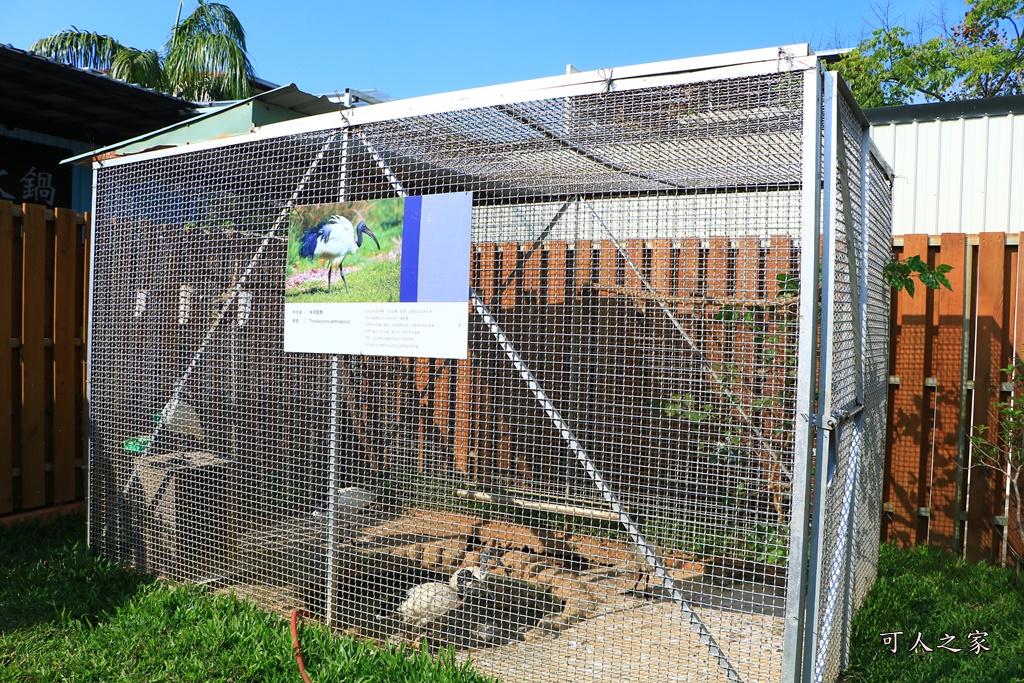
(349, 504)
(333, 240)
(428, 603)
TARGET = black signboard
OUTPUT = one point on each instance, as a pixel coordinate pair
(32, 173)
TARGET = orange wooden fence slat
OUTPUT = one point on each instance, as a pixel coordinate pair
(33, 356)
(635, 252)
(608, 268)
(65, 372)
(946, 359)
(421, 383)
(509, 261)
(533, 270)
(584, 251)
(442, 400)
(1013, 532)
(778, 261)
(485, 268)
(984, 497)
(749, 333)
(556, 272)
(7, 355)
(909, 448)
(83, 255)
(688, 268)
(463, 406)
(661, 267)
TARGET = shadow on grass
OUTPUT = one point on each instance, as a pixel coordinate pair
(48, 574)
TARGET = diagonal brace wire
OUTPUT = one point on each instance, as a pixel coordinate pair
(228, 300)
(744, 415)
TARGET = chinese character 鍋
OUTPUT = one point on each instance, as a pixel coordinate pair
(38, 187)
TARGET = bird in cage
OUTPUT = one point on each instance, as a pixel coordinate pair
(427, 604)
(332, 241)
(350, 503)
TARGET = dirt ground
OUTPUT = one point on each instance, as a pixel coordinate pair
(557, 609)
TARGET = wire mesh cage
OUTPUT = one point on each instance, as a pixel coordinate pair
(670, 323)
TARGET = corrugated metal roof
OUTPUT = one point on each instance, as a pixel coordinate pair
(959, 166)
(49, 97)
(228, 118)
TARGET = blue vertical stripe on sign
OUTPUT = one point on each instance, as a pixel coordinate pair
(409, 287)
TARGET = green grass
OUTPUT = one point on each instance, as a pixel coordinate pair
(377, 280)
(926, 591)
(67, 614)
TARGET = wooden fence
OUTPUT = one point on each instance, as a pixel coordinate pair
(42, 383)
(945, 359)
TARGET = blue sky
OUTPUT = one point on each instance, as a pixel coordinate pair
(417, 48)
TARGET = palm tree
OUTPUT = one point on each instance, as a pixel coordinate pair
(204, 59)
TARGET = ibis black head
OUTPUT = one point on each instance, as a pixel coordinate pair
(463, 579)
(361, 230)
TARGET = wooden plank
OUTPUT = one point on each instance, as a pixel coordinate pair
(1013, 532)
(482, 433)
(33, 369)
(533, 270)
(509, 262)
(779, 347)
(463, 406)
(421, 383)
(688, 269)
(556, 272)
(65, 372)
(607, 268)
(661, 267)
(486, 269)
(749, 333)
(985, 496)
(442, 403)
(7, 355)
(582, 271)
(634, 249)
(82, 293)
(716, 341)
(946, 365)
(910, 452)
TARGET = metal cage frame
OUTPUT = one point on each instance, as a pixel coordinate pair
(147, 507)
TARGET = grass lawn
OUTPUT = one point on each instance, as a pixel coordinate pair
(932, 593)
(67, 614)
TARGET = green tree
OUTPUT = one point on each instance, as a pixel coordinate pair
(982, 56)
(204, 59)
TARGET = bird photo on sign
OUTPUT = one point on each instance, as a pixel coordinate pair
(345, 252)
(385, 277)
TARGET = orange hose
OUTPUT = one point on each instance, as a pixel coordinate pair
(295, 645)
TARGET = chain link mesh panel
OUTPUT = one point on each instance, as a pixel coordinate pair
(856, 336)
(636, 254)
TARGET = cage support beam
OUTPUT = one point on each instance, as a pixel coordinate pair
(334, 456)
(796, 626)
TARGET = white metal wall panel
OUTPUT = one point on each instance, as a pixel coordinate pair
(951, 141)
(956, 175)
